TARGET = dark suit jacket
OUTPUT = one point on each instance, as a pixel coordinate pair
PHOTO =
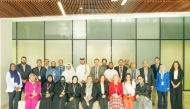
(179, 78)
(99, 93)
(94, 92)
(142, 90)
(24, 75)
(153, 66)
(123, 74)
(42, 73)
(150, 76)
(100, 71)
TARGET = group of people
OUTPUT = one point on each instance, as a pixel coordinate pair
(61, 87)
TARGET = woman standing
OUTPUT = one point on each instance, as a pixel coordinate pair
(14, 85)
(115, 93)
(73, 92)
(102, 92)
(176, 78)
(60, 97)
(88, 93)
(129, 91)
(32, 92)
(47, 94)
(162, 87)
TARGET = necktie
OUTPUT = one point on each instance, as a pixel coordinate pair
(60, 70)
(121, 72)
(133, 74)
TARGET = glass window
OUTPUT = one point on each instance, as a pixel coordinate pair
(124, 28)
(172, 28)
(122, 49)
(147, 50)
(148, 28)
(187, 69)
(14, 51)
(58, 29)
(99, 29)
(30, 30)
(32, 49)
(187, 27)
(59, 49)
(14, 30)
(79, 51)
(171, 50)
(79, 29)
(98, 49)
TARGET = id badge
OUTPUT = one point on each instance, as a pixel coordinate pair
(39, 77)
(162, 83)
(47, 92)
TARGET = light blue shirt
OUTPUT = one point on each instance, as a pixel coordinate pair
(54, 72)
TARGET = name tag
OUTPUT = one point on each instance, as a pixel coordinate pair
(162, 83)
(39, 77)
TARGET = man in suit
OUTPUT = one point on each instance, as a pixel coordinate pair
(104, 62)
(121, 70)
(134, 72)
(40, 71)
(61, 67)
(46, 64)
(96, 70)
(156, 68)
(148, 75)
(24, 70)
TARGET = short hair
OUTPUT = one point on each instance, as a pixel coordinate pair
(46, 59)
(104, 59)
(60, 60)
(144, 61)
(96, 59)
(39, 60)
(110, 63)
(132, 63)
(157, 58)
(23, 57)
(101, 76)
(120, 60)
(52, 62)
(140, 76)
(119, 79)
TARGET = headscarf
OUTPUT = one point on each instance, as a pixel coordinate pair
(63, 84)
(52, 79)
(73, 78)
(162, 73)
(61, 78)
(69, 64)
(36, 78)
(14, 74)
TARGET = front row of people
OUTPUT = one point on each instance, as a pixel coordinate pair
(62, 95)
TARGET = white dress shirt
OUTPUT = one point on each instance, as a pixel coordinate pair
(128, 88)
(80, 72)
(68, 75)
(175, 74)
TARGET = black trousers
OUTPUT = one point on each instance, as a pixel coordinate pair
(85, 106)
(149, 93)
(176, 96)
(164, 95)
(14, 96)
(103, 102)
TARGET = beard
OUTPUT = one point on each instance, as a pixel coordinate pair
(23, 62)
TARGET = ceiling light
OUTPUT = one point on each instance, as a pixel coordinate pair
(123, 2)
(61, 8)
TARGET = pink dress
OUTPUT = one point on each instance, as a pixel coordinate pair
(29, 88)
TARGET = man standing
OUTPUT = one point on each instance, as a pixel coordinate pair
(82, 71)
(52, 71)
(134, 72)
(127, 63)
(96, 70)
(60, 68)
(155, 68)
(46, 64)
(110, 72)
(121, 70)
(104, 62)
(68, 73)
(148, 75)
(40, 71)
(24, 70)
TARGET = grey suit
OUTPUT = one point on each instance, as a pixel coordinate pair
(136, 75)
(100, 71)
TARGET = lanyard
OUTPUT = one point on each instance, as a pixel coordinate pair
(48, 87)
(63, 87)
(33, 88)
(115, 88)
(74, 87)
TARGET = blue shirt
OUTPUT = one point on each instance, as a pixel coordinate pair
(162, 83)
(54, 72)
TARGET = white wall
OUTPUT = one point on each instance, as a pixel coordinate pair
(5, 56)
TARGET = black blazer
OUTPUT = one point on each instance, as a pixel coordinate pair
(153, 66)
(179, 78)
(124, 72)
(150, 76)
(42, 73)
(70, 90)
(24, 75)
(94, 91)
(142, 90)
(99, 93)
